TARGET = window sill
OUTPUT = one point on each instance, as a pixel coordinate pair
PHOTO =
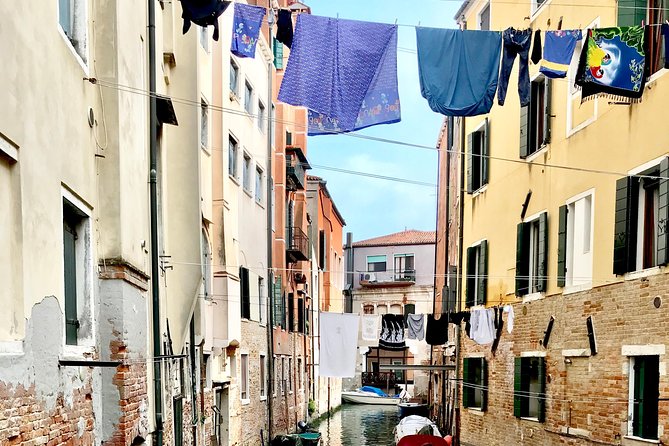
(532, 419)
(11, 348)
(260, 203)
(246, 402)
(248, 192)
(76, 55)
(533, 297)
(536, 12)
(542, 150)
(657, 75)
(631, 440)
(480, 190)
(234, 179)
(263, 398)
(572, 289)
(77, 351)
(476, 411)
(653, 271)
(233, 96)
(205, 149)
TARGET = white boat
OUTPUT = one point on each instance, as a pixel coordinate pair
(360, 396)
(413, 425)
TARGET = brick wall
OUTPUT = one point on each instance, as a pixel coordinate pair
(587, 394)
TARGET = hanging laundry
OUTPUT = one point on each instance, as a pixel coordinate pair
(499, 325)
(613, 63)
(516, 43)
(665, 34)
(370, 327)
(482, 326)
(344, 72)
(510, 318)
(458, 70)
(284, 27)
(536, 47)
(558, 52)
(338, 342)
(202, 13)
(437, 329)
(246, 29)
(392, 332)
(416, 326)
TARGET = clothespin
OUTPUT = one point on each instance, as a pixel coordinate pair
(560, 24)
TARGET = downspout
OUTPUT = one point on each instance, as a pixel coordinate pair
(270, 234)
(447, 154)
(153, 197)
(461, 125)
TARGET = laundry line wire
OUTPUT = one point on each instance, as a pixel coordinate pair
(380, 139)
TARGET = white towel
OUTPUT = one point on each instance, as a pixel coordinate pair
(370, 327)
(339, 342)
(510, 318)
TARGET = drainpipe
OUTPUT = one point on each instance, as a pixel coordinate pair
(270, 234)
(153, 197)
(461, 194)
(447, 239)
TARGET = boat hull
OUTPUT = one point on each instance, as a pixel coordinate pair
(407, 409)
(358, 398)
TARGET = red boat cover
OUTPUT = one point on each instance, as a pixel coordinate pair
(422, 440)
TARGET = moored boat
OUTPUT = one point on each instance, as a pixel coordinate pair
(408, 408)
(369, 395)
(415, 425)
(422, 440)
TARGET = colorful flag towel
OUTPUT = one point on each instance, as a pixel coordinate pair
(458, 70)
(202, 13)
(344, 72)
(246, 29)
(613, 63)
(558, 52)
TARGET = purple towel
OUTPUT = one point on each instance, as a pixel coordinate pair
(344, 72)
(246, 29)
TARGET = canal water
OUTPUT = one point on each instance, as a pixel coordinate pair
(360, 425)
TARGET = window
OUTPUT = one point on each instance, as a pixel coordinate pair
(529, 396)
(368, 309)
(277, 47)
(204, 37)
(322, 255)
(536, 4)
(399, 374)
(477, 274)
(531, 254)
(283, 375)
(642, 210)
(575, 242)
(475, 383)
(290, 375)
(535, 118)
(261, 299)
(244, 292)
(77, 271)
(300, 315)
(204, 124)
(234, 78)
(72, 17)
(633, 12)
(259, 184)
(233, 149)
(246, 172)
(409, 309)
(206, 265)
(248, 98)
(644, 380)
(376, 263)
(404, 267)
(299, 373)
(261, 116)
(289, 138)
(244, 383)
(263, 376)
(484, 20)
(478, 161)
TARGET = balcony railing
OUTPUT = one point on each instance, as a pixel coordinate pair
(396, 278)
(407, 275)
(297, 245)
(295, 175)
(384, 380)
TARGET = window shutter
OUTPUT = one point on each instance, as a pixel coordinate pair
(471, 280)
(663, 214)
(522, 260)
(245, 292)
(562, 246)
(524, 130)
(543, 252)
(291, 312)
(482, 282)
(542, 392)
(278, 302)
(300, 315)
(631, 12)
(466, 389)
(278, 54)
(484, 384)
(70, 277)
(625, 237)
(470, 160)
(547, 110)
(485, 153)
(517, 387)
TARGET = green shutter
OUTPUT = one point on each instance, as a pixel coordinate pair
(485, 153)
(278, 301)
(70, 277)
(524, 130)
(484, 384)
(517, 387)
(562, 246)
(470, 160)
(471, 279)
(522, 259)
(541, 363)
(542, 269)
(482, 282)
(631, 12)
(466, 379)
(547, 110)
(663, 214)
(278, 54)
(624, 242)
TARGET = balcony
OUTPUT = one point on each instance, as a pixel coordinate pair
(297, 245)
(296, 165)
(397, 278)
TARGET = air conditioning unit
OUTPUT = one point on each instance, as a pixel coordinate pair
(368, 277)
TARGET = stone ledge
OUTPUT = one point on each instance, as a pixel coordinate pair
(121, 270)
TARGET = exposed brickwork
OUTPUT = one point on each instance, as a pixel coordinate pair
(589, 395)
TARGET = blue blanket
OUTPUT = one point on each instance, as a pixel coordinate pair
(246, 29)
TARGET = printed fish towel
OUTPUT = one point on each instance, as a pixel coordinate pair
(344, 72)
(392, 332)
(613, 63)
(246, 29)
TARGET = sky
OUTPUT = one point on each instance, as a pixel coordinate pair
(373, 207)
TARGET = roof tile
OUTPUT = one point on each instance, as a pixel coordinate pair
(407, 237)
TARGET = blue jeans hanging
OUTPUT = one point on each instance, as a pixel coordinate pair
(515, 43)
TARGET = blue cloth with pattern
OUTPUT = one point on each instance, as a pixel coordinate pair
(458, 70)
(246, 29)
(344, 72)
(558, 51)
